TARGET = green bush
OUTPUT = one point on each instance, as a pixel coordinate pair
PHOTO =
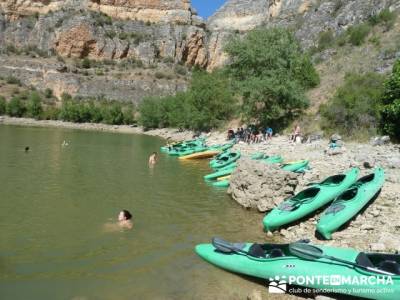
(150, 112)
(181, 70)
(101, 19)
(128, 113)
(15, 108)
(86, 63)
(207, 104)
(48, 93)
(123, 35)
(111, 34)
(34, 106)
(3, 105)
(160, 75)
(342, 39)
(69, 111)
(271, 74)
(385, 17)
(114, 115)
(51, 113)
(13, 80)
(390, 111)
(354, 108)
(358, 33)
(326, 40)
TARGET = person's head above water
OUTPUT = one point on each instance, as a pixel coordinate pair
(124, 215)
(26, 148)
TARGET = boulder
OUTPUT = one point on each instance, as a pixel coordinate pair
(261, 186)
(380, 140)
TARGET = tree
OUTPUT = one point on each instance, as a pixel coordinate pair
(209, 100)
(149, 110)
(3, 105)
(15, 107)
(390, 111)
(271, 73)
(34, 106)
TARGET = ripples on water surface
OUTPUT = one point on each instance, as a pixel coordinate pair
(54, 202)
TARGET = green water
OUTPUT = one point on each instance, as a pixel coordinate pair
(55, 202)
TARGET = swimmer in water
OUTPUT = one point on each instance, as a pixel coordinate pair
(125, 219)
(153, 159)
(27, 149)
(124, 222)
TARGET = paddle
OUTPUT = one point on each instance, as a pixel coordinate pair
(227, 247)
(311, 252)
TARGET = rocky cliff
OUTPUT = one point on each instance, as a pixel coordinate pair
(156, 34)
(306, 17)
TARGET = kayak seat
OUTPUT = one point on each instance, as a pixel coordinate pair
(256, 250)
(259, 251)
(276, 253)
(363, 260)
(390, 266)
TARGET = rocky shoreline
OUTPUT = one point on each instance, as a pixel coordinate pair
(375, 229)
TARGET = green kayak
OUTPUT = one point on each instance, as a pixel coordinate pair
(222, 183)
(187, 149)
(375, 276)
(223, 172)
(350, 203)
(276, 159)
(257, 156)
(224, 159)
(309, 200)
(297, 167)
(180, 145)
(222, 147)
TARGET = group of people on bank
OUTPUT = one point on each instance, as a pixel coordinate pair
(253, 134)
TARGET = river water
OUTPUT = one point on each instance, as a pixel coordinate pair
(55, 202)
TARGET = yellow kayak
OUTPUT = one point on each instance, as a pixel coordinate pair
(224, 178)
(201, 155)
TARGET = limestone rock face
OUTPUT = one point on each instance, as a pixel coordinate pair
(239, 15)
(172, 11)
(307, 17)
(261, 186)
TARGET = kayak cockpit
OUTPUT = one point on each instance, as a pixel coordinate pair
(385, 262)
(269, 250)
(334, 180)
(301, 198)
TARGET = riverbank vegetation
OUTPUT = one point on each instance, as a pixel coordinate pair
(23, 102)
(265, 83)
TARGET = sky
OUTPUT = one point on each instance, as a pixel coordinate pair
(206, 8)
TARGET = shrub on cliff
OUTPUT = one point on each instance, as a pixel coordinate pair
(358, 33)
(3, 105)
(390, 111)
(271, 73)
(354, 109)
(15, 108)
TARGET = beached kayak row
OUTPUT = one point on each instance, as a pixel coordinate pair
(343, 196)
